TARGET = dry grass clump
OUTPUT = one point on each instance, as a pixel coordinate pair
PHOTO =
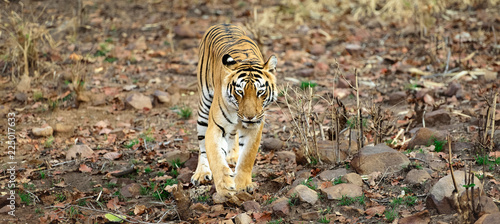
(23, 42)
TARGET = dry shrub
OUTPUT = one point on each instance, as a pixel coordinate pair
(24, 41)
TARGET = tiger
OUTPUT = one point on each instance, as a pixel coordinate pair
(235, 86)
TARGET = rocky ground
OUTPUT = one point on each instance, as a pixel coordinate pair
(104, 99)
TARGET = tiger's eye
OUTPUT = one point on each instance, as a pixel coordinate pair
(260, 92)
(239, 92)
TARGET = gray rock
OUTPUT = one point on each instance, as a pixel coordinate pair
(397, 98)
(131, 190)
(336, 192)
(139, 101)
(379, 158)
(353, 178)
(489, 218)
(437, 118)
(243, 218)
(272, 144)
(330, 175)
(280, 207)
(43, 132)
(440, 196)
(417, 176)
(306, 194)
(79, 151)
(251, 206)
(63, 128)
(426, 136)
(311, 216)
(176, 154)
(286, 157)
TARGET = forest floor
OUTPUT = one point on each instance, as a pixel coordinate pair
(105, 114)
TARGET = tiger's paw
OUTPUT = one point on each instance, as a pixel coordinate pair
(201, 176)
(232, 158)
(226, 186)
(245, 184)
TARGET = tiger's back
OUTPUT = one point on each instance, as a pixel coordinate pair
(235, 85)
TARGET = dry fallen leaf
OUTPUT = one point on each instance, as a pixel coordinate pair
(139, 209)
(85, 169)
(113, 204)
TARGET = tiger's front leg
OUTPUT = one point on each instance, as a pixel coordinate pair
(249, 141)
(217, 149)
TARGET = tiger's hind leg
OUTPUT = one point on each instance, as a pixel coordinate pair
(203, 174)
(232, 155)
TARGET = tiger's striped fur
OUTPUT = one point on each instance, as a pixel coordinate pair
(235, 85)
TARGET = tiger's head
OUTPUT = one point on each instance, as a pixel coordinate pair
(250, 88)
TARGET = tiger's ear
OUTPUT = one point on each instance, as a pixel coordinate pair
(229, 62)
(271, 63)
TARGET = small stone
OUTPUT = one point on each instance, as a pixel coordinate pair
(317, 49)
(184, 31)
(43, 132)
(422, 217)
(280, 207)
(452, 89)
(327, 152)
(353, 178)
(243, 218)
(490, 76)
(251, 206)
(139, 101)
(428, 99)
(417, 176)
(379, 158)
(353, 48)
(131, 190)
(397, 98)
(286, 157)
(163, 97)
(185, 177)
(306, 72)
(337, 191)
(305, 194)
(217, 208)
(437, 165)
(176, 155)
(437, 118)
(330, 175)
(63, 128)
(244, 196)
(99, 99)
(272, 144)
(489, 218)
(426, 136)
(199, 207)
(79, 151)
(21, 97)
(310, 216)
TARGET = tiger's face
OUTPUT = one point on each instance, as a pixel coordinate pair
(250, 89)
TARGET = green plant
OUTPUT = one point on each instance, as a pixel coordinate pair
(60, 197)
(338, 180)
(147, 169)
(324, 220)
(39, 211)
(25, 198)
(410, 200)
(438, 145)
(294, 199)
(131, 143)
(111, 185)
(353, 122)
(391, 214)
(82, 202)
(307, 84)
(396, 201)
(48, 142)
(276, 221)
(37, 96)
(176, 163)
(42, 174)
(407, 189)
(29, 186)
(185, 113)
(309, 183)
(72, 212)
(361, 199)
(203, 198)
(344, 201)
(314, 161)
(270, 200)
(469, 185)
(160, 174)
(174, 172)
